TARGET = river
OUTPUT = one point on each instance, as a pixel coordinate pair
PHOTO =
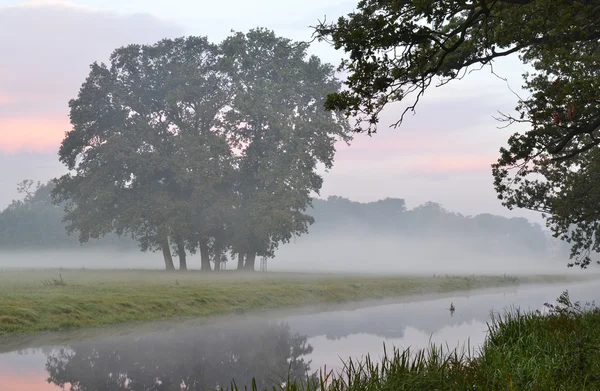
(202, 354)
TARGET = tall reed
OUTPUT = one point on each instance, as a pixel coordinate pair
(559, 350)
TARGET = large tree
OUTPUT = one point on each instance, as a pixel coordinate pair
(282, 134)
(145, 134)
(397, 49)
(194, 146)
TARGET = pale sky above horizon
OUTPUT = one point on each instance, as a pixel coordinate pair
(442, 154)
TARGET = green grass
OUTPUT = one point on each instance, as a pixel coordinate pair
(40, 300)
(523, 351)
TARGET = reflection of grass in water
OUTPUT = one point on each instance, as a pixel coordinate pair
(91, 298)
(523, 351)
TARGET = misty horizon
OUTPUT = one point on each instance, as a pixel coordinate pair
(375, 238)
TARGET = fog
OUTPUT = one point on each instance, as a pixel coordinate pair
(388, 254)
(378, 237)
(351, 237)
(342, 253)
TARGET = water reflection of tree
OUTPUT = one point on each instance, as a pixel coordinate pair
(192, 360)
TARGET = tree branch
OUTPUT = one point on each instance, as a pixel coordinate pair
(566, 139)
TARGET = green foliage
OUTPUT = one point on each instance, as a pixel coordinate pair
(397, 49)
(280, 121)
(142, 141)
(196, 145)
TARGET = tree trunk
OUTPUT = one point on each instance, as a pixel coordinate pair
(240, 261)
(166, 250)
(250, 258)
(217, 258)
(204, 256)
(181, 255)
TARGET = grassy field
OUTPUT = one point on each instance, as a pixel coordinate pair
(40, 300)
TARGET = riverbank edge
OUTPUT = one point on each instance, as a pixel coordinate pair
(37, 313)
(552, 350)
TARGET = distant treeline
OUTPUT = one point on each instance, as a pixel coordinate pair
(431, 223)
(35, 223)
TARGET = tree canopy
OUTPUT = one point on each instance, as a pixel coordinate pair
(398, 49)
(189, 145)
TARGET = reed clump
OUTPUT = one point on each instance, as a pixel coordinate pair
(555, 350)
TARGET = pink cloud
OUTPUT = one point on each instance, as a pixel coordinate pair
(32, 134)
(373, 148)
(5, 98)
(411, 166)
(47, 50)
(451, 163)
(419, 154)
(419, 150)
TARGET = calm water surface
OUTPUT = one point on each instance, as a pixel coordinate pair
(201, 356)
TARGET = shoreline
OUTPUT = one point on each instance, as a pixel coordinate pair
(35, 340)
(93, 299)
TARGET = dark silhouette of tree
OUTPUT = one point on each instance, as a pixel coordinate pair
(204, 359)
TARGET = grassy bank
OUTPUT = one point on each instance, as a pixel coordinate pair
(38, 300)
(558, 351)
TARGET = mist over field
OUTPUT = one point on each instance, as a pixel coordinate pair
(351, 253)
(350, 237)
(381, 254)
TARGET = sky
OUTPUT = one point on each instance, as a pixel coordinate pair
(441, 154)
